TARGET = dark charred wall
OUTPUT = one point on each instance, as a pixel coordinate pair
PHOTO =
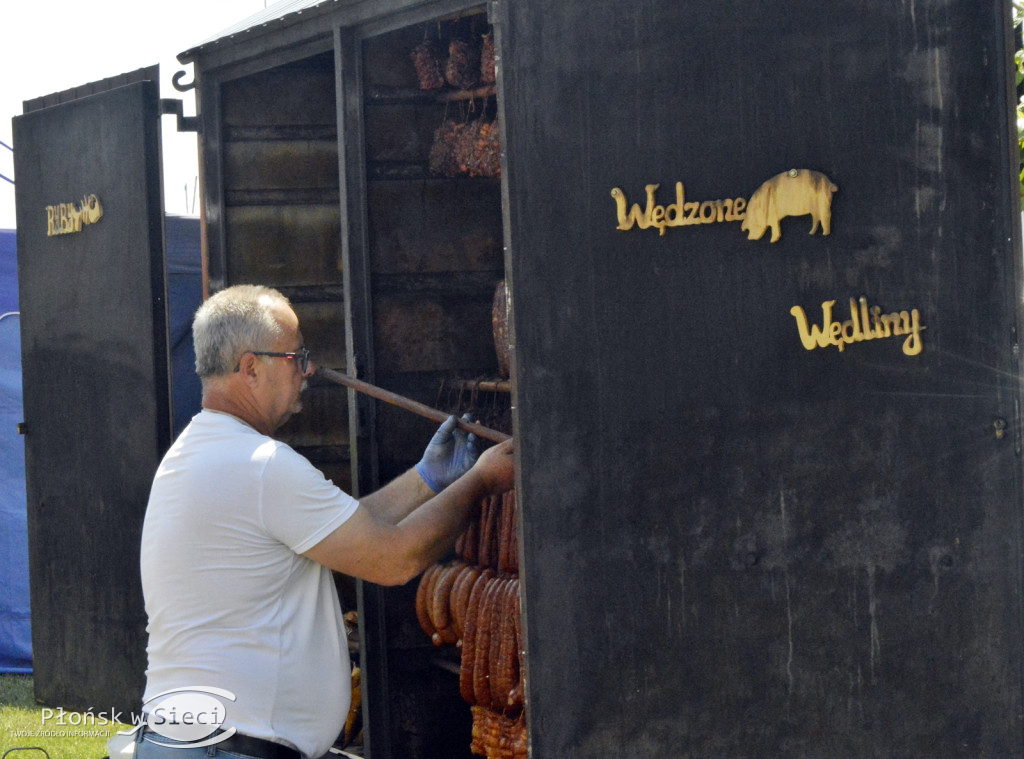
(737, 544)
(277, 223)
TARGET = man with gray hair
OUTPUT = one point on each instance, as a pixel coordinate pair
(241, 534)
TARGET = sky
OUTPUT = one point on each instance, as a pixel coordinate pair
(51, 45)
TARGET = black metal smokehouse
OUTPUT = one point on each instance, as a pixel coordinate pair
(763, 277)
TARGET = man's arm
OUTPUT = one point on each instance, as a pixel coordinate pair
(399, 498)
(450, 454)
(372, 547)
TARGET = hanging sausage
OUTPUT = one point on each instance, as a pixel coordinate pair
(473, 602)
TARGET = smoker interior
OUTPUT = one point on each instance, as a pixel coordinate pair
(392, 269)
(280, 226)
(434, 245)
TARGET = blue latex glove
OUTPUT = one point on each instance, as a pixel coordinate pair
(449, 455)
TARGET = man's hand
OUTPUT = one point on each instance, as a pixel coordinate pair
(496, 467)
(449, 455)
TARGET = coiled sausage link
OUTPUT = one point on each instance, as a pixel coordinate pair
(473, 606)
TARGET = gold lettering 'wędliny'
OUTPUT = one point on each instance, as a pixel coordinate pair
(865, 323)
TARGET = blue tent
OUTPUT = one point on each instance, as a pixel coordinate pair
(184, 294)
(15, 626)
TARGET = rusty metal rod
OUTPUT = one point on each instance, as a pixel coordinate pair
(484, 386)
(409, 404)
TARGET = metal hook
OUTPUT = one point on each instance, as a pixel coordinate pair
(176, 82)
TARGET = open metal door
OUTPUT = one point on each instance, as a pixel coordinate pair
(777, 524)
(95, 362)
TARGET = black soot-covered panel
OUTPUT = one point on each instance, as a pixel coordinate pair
(770, 477)
(96, 385)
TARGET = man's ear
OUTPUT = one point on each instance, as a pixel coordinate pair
(249, 368)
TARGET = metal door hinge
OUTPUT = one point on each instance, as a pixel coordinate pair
(175, 107)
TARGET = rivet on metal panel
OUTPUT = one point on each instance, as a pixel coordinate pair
(941, 559)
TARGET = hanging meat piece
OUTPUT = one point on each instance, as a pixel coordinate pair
(513, 550)
(488, 556)
(473, 607)
(354, 718)
(484, 641)
(463, 67)
(496, 534)
(499, 328)
(501, 554)
(428, 59)
(485, 518)
(460, 598)
(486, 732)
(476, 744)
(492, 737)
(424, 596)
(495, 682)
(516, 697)
(505, 534)
(442, 158)
(487, 162)
(487, 59)
(478, 149)
(519, 744)
(506, 673)
(497, 736)
(472, 148)
(439, 605)
(466, 147)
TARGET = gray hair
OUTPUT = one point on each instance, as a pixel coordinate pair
(232, 322)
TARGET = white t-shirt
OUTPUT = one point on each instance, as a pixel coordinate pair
(231, 603)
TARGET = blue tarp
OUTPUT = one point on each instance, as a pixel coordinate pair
(8, 273)
(184, 294)
(15, 624)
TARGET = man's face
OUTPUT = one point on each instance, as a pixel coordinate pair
(285, 380)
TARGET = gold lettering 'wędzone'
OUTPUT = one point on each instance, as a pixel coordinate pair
(865, 323)
(682, 213)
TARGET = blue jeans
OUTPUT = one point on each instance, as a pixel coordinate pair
(145, 749)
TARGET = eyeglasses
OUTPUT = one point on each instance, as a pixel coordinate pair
(301, 356)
